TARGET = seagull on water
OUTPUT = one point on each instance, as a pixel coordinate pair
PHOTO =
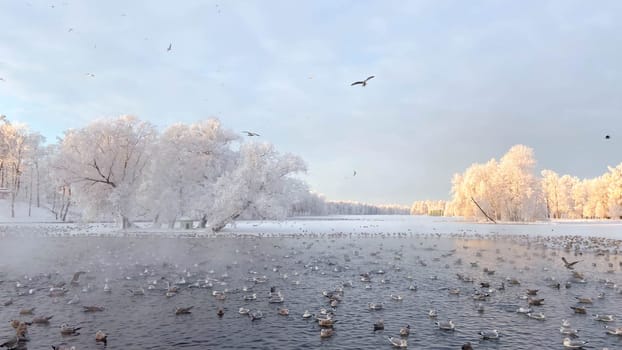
(573, 344)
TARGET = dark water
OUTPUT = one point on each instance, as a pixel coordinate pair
(301, 268)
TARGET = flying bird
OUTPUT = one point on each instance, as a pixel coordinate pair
(250, 133)
(170, 46)
(2, 79)
(569, 265)
(362, 83)
(91, 75)
(607, 137)
(354, 173)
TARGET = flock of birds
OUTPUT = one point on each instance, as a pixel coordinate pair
(359, 276)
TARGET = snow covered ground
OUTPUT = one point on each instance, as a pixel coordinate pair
(41, 222)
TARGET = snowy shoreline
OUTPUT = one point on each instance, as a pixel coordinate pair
(328, 226)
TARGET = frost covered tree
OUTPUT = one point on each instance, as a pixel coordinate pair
(181, 179)
(260, 183)
(14, 153)
(104, 163)
(504, 190)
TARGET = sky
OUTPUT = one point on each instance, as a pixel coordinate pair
(456, 82)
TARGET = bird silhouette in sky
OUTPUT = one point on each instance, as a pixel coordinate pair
(354, 173)
(170, 46)
(607, 137)
(363, 82)
(91, 75)
(250, 133)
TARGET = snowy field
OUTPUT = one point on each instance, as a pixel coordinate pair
(42, 222)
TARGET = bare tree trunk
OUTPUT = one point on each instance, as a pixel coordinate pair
(54, 206)
(125, 222)
(13, 204)
(38, 184)
(203, 222)
(482, 210)
(67, 204)
(30, 195)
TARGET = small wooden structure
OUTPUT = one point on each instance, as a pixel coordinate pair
(5, 193)
(186, 223)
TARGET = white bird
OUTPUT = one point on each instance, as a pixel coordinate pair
(250, 133)
(398, 343)
(432, 313)
(493, 334)
(565, 323)
(446, 325)
(603, 318)
(573, 344)
(90, 75)
(307, 314)
(568, 331)
(537, 316)
(614, 331)
(244, 311)
(170, 46)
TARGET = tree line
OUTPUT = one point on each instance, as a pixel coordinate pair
(511, 190)
(124, 169)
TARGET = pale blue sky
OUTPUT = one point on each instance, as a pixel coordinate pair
(456, 82)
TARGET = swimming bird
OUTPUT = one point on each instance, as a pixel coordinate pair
(250, 133)
(573, 344)
(446, 325)
(405, 331)
(65, 329)
(63, 346)
(536, 316)
(220, 312)
(283, 311)
(523, 310)
(102, 337)
(183, 310)
(467, 346)
(565, 323)
(603, 318)
(614, 331)
(74, 300)
(398, 343)
(27, 311)
(493, 334)
(326, 332)
(432, 313)
(363, 82)
(374, 306)
(255, 315)
(11, 343)
(579, 309)
(379, 325)
(584, 300)
(243, 311)
(92, 308)
(570, 265)
(41, 320)
(306, 314)
(568, 331)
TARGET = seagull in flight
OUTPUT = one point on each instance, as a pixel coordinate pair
(170, 46)
(90, 75)
(363, 82)
(607, 137)
(354, 173)
(250, 133)
(569, 265)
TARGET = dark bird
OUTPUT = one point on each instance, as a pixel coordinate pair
(363, 82)
(354, 173)
(183, 310)
(170, 46)
(250, 133)
(91, 75)
(76, 277)
(607, 137)
(569, 265)
(12, 343)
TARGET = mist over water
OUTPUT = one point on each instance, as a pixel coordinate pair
(301, 266)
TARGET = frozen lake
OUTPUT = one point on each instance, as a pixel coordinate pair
(418, 259)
